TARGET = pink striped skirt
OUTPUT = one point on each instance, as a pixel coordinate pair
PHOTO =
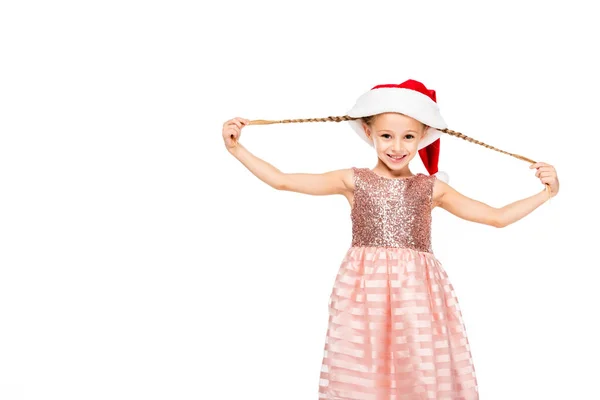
(395, 331)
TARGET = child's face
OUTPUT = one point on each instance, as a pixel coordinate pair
(396, 138)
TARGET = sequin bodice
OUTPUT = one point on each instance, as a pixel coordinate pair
(392, 212)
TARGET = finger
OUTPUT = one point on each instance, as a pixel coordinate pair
(539, 164)
(548, 180)
(545, 170)
(235, 130)
(545, 174)
(231, 133)
(242, 121)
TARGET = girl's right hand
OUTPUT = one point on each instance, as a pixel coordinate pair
(232, 130)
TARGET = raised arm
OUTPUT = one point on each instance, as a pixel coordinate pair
(333, 182)
(472, 210)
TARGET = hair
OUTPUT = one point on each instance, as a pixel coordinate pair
(370, 119)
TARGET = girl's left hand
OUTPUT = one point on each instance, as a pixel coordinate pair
(547, 174)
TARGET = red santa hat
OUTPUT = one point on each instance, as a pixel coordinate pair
(412, 99)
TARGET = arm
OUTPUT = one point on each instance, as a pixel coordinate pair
(333, 182)
(476, 211)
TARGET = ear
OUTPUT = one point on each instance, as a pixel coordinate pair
(367, 130)
(425, 132)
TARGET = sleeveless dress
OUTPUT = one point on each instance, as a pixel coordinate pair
(395, 329)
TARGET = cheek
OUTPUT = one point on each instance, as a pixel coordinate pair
(414, 146)
(381, 147)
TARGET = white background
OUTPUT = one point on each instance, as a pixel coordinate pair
(140, 260)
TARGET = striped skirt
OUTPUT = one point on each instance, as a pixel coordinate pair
(395, 331)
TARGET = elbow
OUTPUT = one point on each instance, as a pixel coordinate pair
(498, 224)
(498, 221)
(280, 184)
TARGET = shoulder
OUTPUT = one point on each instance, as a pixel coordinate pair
(348, 176)
(351, 176)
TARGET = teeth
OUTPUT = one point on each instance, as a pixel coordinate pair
(395, 158)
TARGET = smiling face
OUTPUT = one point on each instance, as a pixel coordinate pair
(396, 139)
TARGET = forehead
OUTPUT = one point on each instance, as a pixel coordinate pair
(396, 121)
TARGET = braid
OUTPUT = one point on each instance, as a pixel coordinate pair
(468, 139)
(287, 121)
(367, 119)
(348, 118)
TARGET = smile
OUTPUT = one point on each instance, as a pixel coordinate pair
(396, 158)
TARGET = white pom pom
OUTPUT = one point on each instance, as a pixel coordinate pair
(442, 176)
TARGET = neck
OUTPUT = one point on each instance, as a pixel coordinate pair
(384, 170)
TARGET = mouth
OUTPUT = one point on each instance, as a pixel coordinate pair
(396, 158)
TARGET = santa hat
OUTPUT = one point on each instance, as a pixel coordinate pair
(412, 99)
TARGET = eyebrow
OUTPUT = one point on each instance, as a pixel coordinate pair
(387, 130)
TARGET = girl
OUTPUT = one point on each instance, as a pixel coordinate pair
(395, 327)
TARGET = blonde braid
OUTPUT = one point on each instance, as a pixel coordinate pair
(468, 139)
(348, 118)
(287, 121)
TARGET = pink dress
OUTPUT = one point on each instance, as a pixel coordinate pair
(395, 328)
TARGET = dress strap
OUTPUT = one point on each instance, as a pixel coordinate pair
(358, 177)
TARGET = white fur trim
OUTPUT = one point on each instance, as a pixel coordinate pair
(442, 176)
(404, 101)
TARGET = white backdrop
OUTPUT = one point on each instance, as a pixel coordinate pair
(140, 260)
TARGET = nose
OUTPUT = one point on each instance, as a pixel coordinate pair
(397, 144)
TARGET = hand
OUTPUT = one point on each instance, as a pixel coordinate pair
(232, 130)
(547, 175)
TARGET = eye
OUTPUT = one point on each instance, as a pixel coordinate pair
(386, 134)
(409, 136)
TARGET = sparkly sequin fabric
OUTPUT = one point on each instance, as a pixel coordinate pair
(395, 328)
